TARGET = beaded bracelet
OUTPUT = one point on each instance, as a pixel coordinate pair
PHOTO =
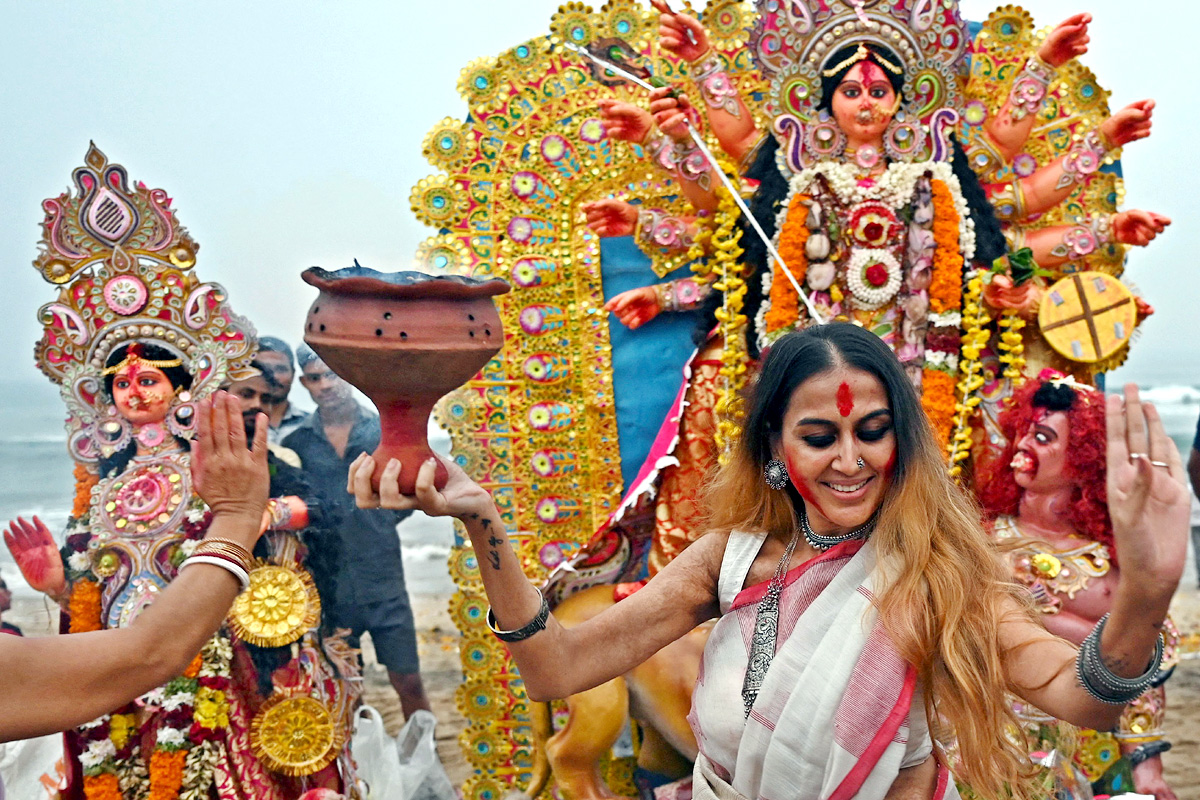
(538, 623)
(1101, 682)
(229, 566)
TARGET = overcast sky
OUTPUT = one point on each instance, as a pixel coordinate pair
(289, 135)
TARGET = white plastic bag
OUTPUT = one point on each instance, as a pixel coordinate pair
(422, 773)
(375, 756)
(32, 768)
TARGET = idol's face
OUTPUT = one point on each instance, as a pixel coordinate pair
(1040, 462)
(141, 393)
(832, 420)
(864, 103)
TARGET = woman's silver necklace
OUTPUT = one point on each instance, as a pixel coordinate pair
(823, 543)
(766, 630)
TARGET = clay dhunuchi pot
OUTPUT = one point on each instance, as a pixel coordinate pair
(404, 339)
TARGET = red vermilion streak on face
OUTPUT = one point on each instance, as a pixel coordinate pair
(890, 466)
(804, 489)
(845, 399)
(869, 71)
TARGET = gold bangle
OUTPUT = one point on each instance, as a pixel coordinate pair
(225, 548)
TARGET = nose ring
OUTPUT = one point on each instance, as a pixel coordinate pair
(861, 463)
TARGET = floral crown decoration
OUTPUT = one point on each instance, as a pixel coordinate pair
(793, 41)
(124, 265)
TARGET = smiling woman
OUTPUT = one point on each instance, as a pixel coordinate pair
(880, 616)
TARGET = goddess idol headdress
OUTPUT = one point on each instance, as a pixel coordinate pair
(793, 41)
(124, 264)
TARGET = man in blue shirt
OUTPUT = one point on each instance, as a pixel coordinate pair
(371, 595)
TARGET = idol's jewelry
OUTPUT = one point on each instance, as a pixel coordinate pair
(1084, 239)
(226, 564)
(715, 86)
(766, 631)
(538, 623)
(1029, 89)
(133, 358)
(823, 543)
(1100, 682)
(656, 228)
(775, 474)
(1083, 159)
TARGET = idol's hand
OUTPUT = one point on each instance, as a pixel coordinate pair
(635, 307)
(1147, 499)
(1138, 227)
(680, 34)
(37, 556)
(625, 121)
(672, 112)
(1068, 40)
(460, 497)
(611, 217)
(1129, 124)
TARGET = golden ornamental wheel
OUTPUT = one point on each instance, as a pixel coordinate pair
(294, 734)
(280, 606)
(1087, 316)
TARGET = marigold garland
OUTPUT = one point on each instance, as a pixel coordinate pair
(1011, 345)
(104, 786)
(84, 481)
(937, 398)
(84, 606)
(974, 340)
(784, 307)
(719, 237)
(945, 289)
(166, 774)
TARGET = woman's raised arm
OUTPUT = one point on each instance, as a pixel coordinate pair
(556, 662)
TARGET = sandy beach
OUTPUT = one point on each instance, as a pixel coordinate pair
(442, 673)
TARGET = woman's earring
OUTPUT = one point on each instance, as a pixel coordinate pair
(776, 474)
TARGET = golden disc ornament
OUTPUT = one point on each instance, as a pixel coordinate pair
(1088, 316)
(280, 606)
(295, 734)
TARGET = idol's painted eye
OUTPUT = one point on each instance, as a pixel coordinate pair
(851, 92)
(1042, 438)
(121, 384)
(878, 93)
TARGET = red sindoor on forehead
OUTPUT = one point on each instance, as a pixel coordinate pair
(869, 71)
(845, 399)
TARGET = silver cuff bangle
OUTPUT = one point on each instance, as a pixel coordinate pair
(538, 623)
(1101, 682)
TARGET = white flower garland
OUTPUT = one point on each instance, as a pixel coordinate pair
(867, 296)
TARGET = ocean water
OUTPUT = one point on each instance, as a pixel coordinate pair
(35, 475)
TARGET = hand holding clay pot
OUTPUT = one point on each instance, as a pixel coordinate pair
(404, 339)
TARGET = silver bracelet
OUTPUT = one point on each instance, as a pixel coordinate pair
(1101, 682)
(536, 624)
(242, 576)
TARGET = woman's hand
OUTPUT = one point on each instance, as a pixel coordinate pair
(1068, 40)
(230, 477)
(1138, 227)
(37, 556)
(611, 217)
(460, 497)
(679, 33)
(625, 121)
(635, 307)
(1147, 499)
(1129, 124)
(672, 112)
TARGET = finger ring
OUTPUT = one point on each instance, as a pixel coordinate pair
(1133, 456)
(1160, 464)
